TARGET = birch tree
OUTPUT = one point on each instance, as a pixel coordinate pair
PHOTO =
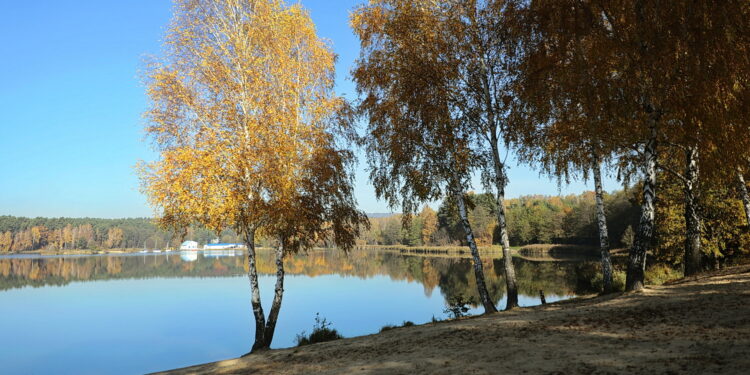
(696, 61)
(558, 128)
(452, 55)
(653, 59)
(248, 129)
(418, 148)
(744, 196)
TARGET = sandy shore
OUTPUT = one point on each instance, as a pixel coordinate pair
(696, 326)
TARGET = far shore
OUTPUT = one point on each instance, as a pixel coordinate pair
(452, 250)
(698, 325)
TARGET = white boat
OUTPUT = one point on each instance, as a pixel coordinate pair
(189, 245)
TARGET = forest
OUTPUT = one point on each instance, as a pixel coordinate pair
(535, 220)
(572, 219)
(655, 93)
(18, 234)
(532, 220)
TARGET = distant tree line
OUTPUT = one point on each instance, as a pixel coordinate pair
(572, 219)
(28, 234)
(536, 219)
(533, 219)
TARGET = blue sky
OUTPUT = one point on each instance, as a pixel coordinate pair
(71, 103)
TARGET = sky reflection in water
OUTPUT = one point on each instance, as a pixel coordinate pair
(140, 313)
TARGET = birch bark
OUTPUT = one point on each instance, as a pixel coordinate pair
(484, 295)
(252, 274)
(692, 219)
(501, 181)
(745, 196)
(637, 258)
(278, 294)
(601, 220)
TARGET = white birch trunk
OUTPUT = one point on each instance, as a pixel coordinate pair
(692, 219)
(637, 258)
(484, 295)
(252, 274)
(501, 180)
(273, 314)
(510, 273)
(601, 220)
(744, 195)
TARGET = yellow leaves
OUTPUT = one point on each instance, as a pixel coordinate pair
(241, 103)
(114, 237)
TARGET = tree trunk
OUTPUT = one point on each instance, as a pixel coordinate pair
(637, 258)
(501, 180)
(510, 272)
(601, 220)
(484, 295)
(745, 196)
(252, 274)
(273, 314)
(692, 219)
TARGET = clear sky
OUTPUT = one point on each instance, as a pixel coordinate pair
(71, 103)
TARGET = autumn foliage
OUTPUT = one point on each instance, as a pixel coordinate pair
(246, 121)
(249, 132)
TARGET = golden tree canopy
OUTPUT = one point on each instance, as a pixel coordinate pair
(243, 111)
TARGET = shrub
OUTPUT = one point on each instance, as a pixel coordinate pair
(628, 237)
(458, 307)
(387, 327)
(659, 274)
(590, 279)
(618, 281)
(322, 332)
(406, 323)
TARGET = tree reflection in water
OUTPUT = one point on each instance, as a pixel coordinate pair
(451, 274)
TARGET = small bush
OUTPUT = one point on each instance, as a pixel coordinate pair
(618, 281)
(321, 332)
(458, 307)
(628, 237)
(659, 274)
(589, 278)
(406, 323)
(435, 320)
(387, 327)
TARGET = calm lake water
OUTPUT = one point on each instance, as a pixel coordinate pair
(130, 314)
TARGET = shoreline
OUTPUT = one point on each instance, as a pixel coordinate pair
(697, 325)
(494, 250)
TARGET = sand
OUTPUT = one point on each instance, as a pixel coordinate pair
(694, 326)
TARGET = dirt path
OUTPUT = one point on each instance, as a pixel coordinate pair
(697, 326)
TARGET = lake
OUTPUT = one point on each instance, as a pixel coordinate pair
(137, 313)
